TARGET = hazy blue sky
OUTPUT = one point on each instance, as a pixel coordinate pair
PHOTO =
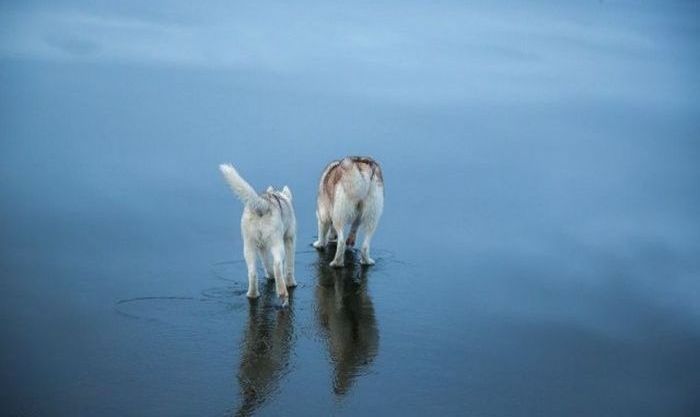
(424, 52)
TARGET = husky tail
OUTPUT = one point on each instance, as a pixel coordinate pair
(243, 190)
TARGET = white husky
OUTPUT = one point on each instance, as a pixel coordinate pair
(268, 226)
(351, 191)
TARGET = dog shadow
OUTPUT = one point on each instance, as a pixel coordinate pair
(345, 316)
(265, 349)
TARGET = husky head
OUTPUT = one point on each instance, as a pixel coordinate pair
(285, 191)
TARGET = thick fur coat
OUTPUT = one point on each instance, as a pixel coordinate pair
(350, 192)
(268, 226)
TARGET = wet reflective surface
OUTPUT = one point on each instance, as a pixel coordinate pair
(346, 318)
(267, 342)
(538, 254)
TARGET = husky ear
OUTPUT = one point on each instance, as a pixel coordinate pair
(287, 192)
(270, 189)
(346, 163)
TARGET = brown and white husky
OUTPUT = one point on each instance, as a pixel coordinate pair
(351, 191)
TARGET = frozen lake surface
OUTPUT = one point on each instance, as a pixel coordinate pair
(539, 253)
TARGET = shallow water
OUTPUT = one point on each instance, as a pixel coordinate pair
(538, 253)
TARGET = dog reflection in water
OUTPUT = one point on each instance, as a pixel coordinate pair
(346, 318)
(265, 350)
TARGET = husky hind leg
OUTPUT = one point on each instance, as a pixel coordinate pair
(266, 258)
(277, 251)
(342, 211)
(289, 244)
(370, 219)
(249, 255)
(350, 241)
(339, 259)
(323, 227)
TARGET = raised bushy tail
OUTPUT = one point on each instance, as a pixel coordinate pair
(243, 190)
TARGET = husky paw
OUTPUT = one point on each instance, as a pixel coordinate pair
(284, 300)
(252, 294)
(336, 264)
(368, 261)
(318, 244)
(291, 282)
